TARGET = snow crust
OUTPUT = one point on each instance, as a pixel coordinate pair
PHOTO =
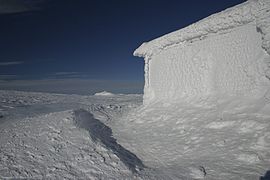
(40, 139)
(217, 139)
(226, 53)
(54, 136)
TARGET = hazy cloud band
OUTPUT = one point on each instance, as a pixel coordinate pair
(11, 63)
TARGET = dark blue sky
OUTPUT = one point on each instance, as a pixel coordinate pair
(88, 39)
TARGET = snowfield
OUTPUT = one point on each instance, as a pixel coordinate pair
(46, 136)
(205, 112)
(211, 139)
(56, 136)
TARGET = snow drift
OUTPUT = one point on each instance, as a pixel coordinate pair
(103, 93)
(224, 54)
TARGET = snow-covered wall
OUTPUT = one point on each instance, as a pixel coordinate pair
(226, 53)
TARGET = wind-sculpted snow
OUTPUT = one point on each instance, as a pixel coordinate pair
(39, 140)
(100, 132)
(224, 54)
(51, 147)
(216, 139)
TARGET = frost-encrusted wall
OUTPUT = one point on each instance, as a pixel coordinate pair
(224, 63)
(226, 53)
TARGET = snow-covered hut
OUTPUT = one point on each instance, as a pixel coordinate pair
(224, 54)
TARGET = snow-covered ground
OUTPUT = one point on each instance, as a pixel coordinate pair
(56, 136)
(207, 138)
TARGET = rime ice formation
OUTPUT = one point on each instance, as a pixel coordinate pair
(224, 54)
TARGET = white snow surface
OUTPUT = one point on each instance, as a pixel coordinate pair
(54, 136)
(214, 139)
(224, 54)
(40, 139)
(104, 93)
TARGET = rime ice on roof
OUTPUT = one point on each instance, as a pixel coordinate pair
(224, 54)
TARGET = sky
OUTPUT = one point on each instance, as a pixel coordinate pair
(87, 41)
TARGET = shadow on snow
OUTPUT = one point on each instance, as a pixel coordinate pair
(100, 132)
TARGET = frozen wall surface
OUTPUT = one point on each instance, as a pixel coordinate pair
(224, 54)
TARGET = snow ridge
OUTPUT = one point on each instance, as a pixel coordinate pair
(99, 132)
(104, 93)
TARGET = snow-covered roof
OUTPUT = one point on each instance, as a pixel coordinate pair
(257, 11)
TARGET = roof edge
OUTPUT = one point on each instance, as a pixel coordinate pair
(236, 16)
